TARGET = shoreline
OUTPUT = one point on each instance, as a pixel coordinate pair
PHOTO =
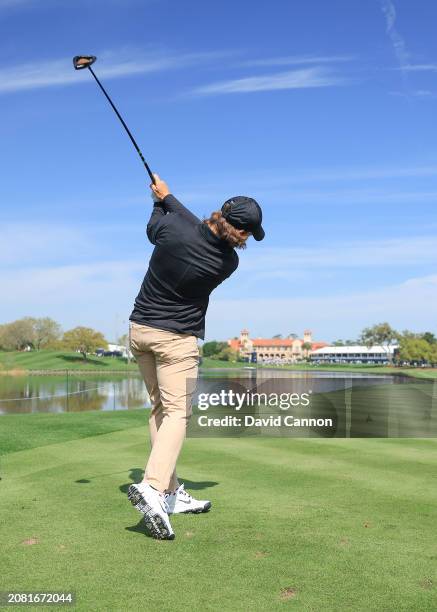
(18, 372)
(417, 373)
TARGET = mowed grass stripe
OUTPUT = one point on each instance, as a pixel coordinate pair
(26, 431)
(276, 524)
(348, 470)
(47, 359)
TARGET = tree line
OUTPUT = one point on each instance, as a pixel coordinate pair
(46, 333)
(219, 350)
(413, 347)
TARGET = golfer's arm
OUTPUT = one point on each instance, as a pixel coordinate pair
(158, 213)
(171, 205)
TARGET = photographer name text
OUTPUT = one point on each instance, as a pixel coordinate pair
(271, 421)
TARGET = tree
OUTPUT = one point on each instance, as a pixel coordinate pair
(407, 334)
(18, 335)
(382, 335)
(213, 348)
(84, 340)
(292, 336)
(227, 354)
(29, 332)
(3, 337)
(417, 350)
(306, 346)
(123, 340)
(278, 336)
(46, 332)
(429, 337)
(341, 342)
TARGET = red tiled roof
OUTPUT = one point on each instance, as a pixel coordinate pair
(235, 343)
(274, 342)
(317, 345)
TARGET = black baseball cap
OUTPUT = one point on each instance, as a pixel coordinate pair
(244, 213)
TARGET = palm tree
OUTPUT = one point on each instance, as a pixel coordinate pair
(306, 347)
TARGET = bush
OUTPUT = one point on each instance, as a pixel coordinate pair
(213, 348)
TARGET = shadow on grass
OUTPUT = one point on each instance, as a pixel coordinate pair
(139, 528)
(80, 359)
(198, 486)
(136, 475)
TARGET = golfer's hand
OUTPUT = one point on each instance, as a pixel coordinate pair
(160, 189)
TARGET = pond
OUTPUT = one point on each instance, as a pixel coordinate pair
(76, 392)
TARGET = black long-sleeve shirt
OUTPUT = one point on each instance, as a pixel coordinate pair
(187, 263)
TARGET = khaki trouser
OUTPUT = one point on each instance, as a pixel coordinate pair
(169, 364)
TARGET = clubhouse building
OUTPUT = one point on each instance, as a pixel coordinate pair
(292, 350)
(286, 350)
(354, 354)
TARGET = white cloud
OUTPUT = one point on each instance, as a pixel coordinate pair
(51, 247)
(37, 244)
(57, 72)
(418, 93)
(396, 39)
(403, 56)
(362, 173)
(344, 174)
(7, 4)
(423, 93)
(352, 196)
(97, 294)
(92, 293)
(31, 243)
(297, 60)
(85, 294)
(295, 79)
(66, 283)
(282, 193)
(12, 3)
(420, 67)
(398, 252)
(407, 305)
(260, 180)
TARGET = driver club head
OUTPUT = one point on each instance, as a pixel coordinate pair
(83, 61)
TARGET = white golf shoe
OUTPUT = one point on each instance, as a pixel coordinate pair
(181, 502)
(152, 504)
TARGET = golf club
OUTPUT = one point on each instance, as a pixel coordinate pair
(84, 61)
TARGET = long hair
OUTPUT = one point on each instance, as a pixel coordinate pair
(225, 230)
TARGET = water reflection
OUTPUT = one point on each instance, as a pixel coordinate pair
(314, 404)
(20, 395)
(77, 393)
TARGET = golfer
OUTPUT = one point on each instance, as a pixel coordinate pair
(191, 258)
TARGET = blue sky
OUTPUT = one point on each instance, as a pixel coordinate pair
(325, 112)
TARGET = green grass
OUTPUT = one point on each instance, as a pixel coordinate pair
(18, 433)
(208, 363)
(343, 524)
(46, 360)
(60, 360)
